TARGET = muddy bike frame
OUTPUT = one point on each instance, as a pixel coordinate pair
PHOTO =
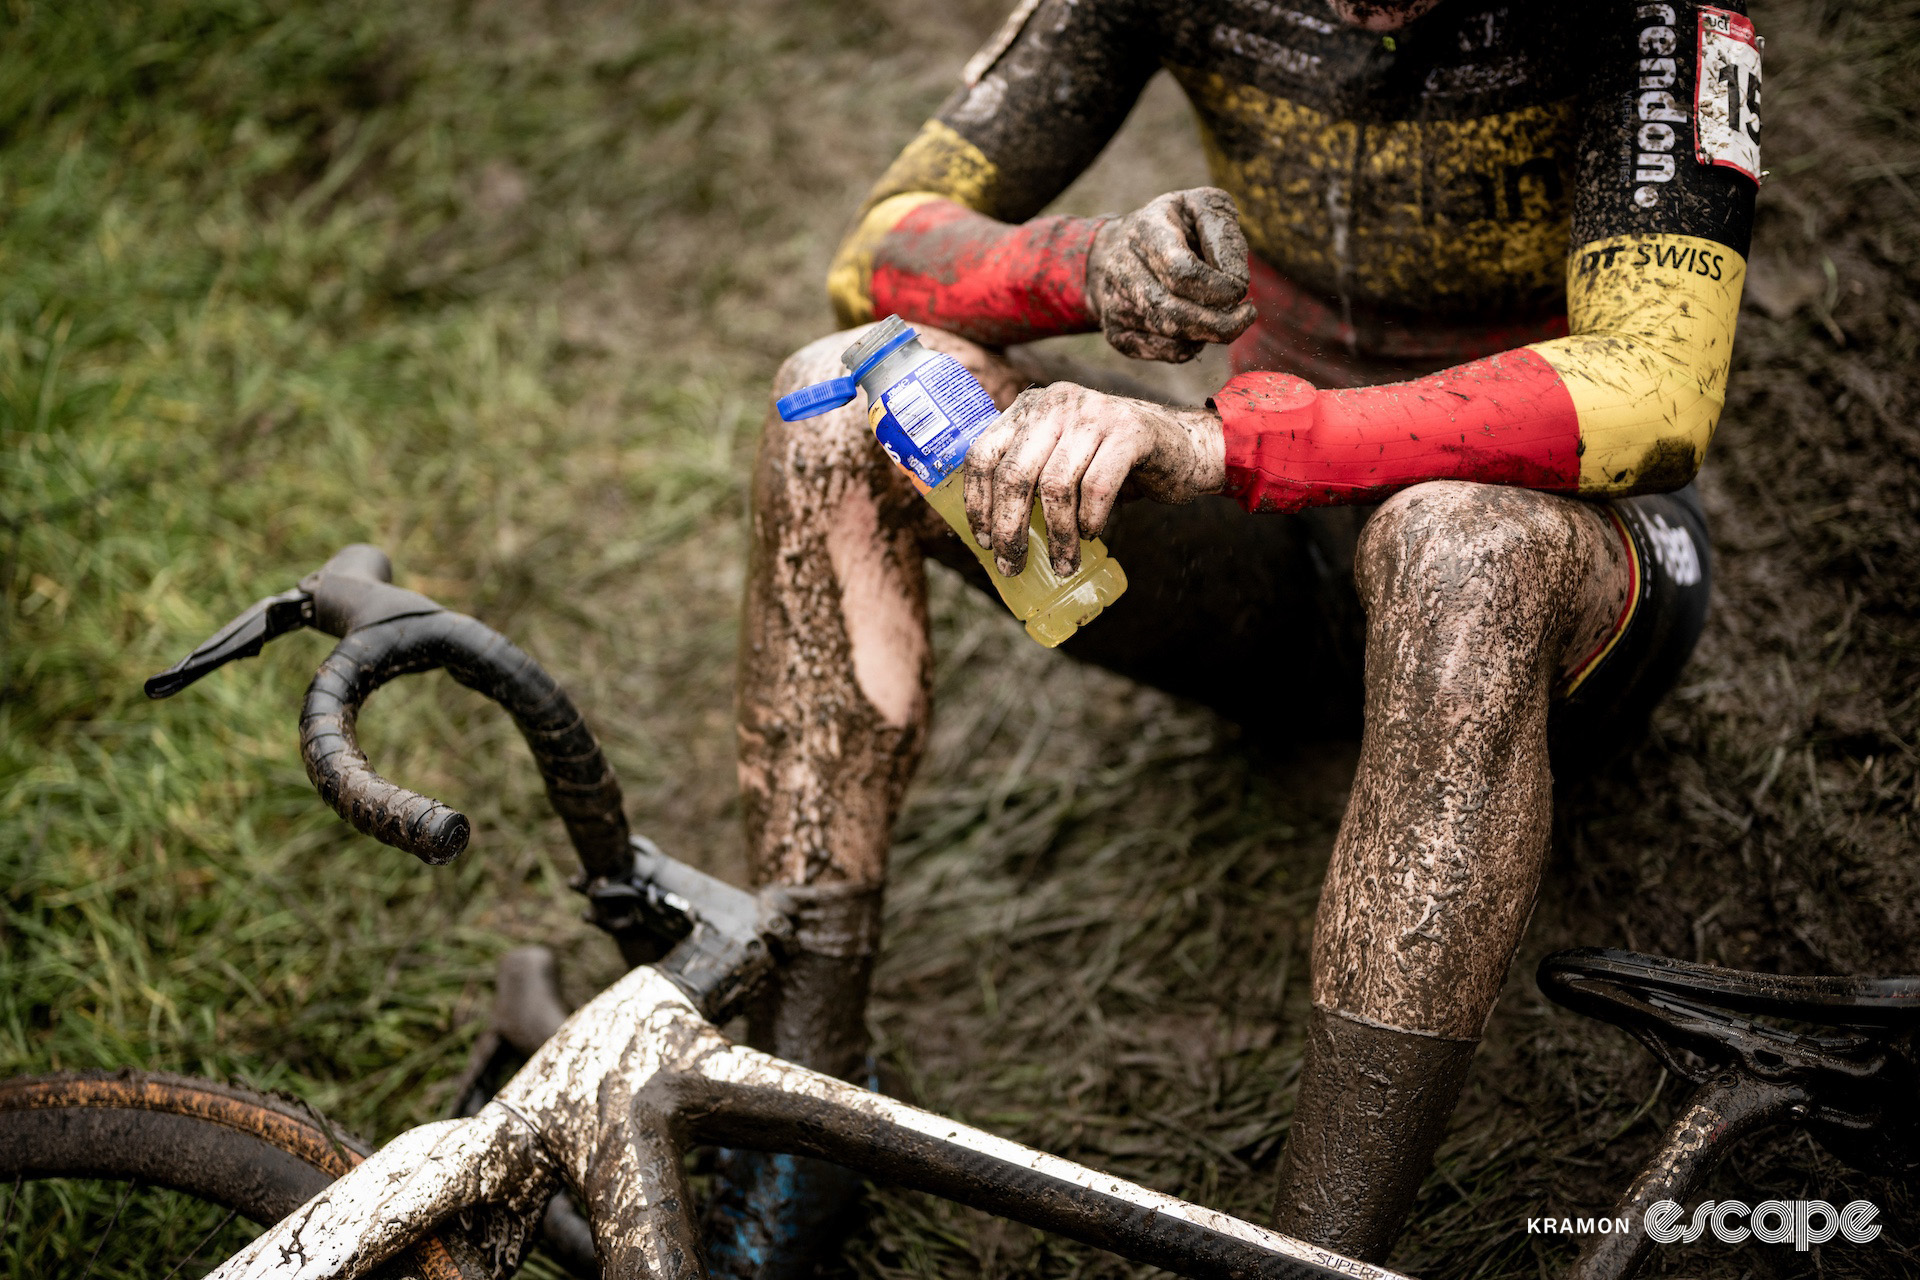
(610, 1103)
(607, 1107)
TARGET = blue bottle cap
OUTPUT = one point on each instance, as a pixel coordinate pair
(811, 401)
(821, 397)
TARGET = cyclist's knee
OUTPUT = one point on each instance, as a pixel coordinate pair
(1454, 554)
(806, 468)
(804, 464)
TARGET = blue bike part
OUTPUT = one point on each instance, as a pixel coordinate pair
(821, 397)
(777, 1217)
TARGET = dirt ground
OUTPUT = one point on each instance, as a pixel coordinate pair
(1134, 887)
(573, 241)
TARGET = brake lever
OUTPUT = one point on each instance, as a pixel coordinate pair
(241, 638)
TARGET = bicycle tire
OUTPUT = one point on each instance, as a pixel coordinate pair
(258, 1155)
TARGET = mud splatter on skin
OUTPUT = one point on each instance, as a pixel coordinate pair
(877, 609)
(833, 713)
(821, 767)
(1437, 862)
(1478, 598)
(834, 687)
(1080, 450)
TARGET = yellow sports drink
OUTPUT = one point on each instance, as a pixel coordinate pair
(927, 411)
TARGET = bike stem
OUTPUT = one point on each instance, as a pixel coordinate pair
(720, 942)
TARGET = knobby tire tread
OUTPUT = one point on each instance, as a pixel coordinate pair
(256, 1154)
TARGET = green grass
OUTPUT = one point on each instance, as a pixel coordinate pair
(261, 295)
(491, 290)
(65, 1227)
(500, 287)
(210, 377)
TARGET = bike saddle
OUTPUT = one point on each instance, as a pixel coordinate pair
(1850, 1046)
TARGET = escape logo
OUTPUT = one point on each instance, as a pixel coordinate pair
(1799, 1222)
(1770, 1222)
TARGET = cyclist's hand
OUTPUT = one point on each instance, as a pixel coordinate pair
(1077, 448)
(1170, 277)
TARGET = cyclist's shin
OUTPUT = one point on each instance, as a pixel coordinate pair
(1372, 1108)
(776, 1217)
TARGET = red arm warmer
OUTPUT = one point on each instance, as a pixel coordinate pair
(948, 266)
(1506, 419)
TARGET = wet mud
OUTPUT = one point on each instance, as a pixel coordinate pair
(1477, 597)
(1171, 277)
(835, 668)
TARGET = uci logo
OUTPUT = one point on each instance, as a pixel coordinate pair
(1804, 1222)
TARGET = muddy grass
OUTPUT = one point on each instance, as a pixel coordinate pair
(501, 287)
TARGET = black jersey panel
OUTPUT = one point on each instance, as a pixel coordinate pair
(1463, 60)
(1640, 166)
(1443, 170)
(1041, 110)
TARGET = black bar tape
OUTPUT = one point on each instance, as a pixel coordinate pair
(338, 768)
(580, 784)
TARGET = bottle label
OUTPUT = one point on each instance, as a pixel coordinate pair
(929, 418)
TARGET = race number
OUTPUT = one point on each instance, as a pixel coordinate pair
(1726, 94)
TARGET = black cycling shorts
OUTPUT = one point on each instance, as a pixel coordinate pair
(1257, 616)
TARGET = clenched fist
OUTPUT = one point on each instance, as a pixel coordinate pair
(1171, 276)
(1077, 448)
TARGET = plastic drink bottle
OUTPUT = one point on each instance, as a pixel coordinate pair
(927, 411)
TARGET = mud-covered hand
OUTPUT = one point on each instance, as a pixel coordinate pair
(1077, 448)
(1170, 277)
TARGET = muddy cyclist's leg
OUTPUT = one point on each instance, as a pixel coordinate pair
(1478, 598)
(835, 666)
(833, 692)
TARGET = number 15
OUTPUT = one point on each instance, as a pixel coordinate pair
(1730, 75)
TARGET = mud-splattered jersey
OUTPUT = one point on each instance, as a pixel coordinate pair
(1487, 176)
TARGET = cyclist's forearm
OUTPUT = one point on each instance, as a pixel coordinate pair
(1502, 420)
(1627, 403)
(932, 260)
